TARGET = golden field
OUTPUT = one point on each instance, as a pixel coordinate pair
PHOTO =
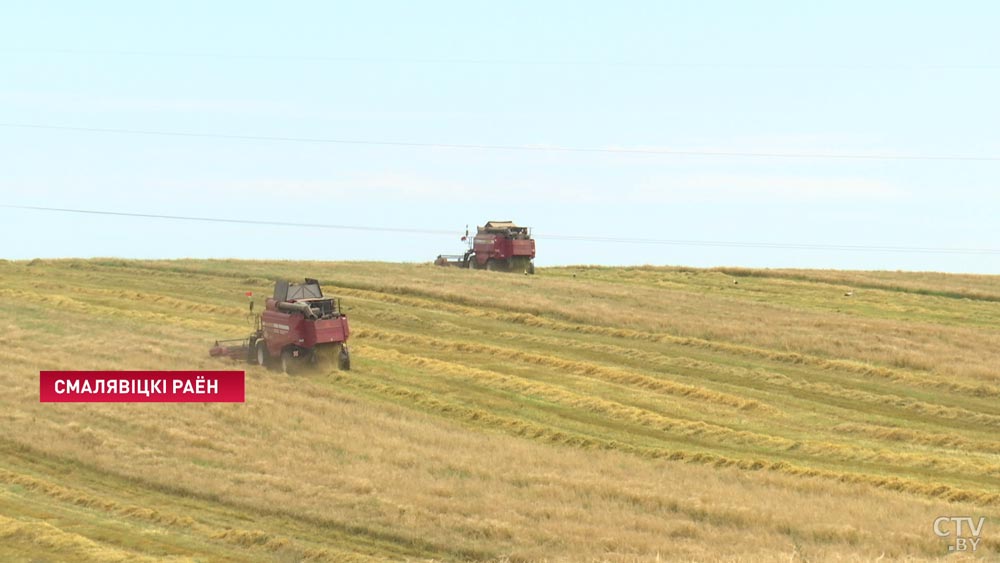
(582, 414)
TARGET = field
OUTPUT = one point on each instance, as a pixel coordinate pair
(582, 414)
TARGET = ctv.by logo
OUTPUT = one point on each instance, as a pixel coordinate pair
(962, 541)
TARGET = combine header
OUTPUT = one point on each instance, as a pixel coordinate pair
(498, 245)
(298, 325)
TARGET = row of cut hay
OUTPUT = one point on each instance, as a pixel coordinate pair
(135, 299)
(73, 546)
(819, 450)
(818, 389)
(65, 304)
(873, 280)
(81, 546)
(747, 376)
(912, 405)
(518, 427)
(612, 409)
(605, 373)
(922, 437)
(281, 548)
(85, 500)
(485, 310)
(928, 380)
(823, 451)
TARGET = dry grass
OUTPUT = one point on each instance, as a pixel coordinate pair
(498, 417)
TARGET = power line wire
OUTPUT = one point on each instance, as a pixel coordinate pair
(508, 62)
(235, 221)
(782, 246)
(524, 148)
(540, 236)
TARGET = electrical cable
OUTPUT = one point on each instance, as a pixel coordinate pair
(527, 148)
(539, 236)
(507, 62)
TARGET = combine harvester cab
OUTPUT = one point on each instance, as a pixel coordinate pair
(299, 325)
(497, 246)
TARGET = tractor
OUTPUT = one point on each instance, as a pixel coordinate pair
(299, 325)
(497, 246)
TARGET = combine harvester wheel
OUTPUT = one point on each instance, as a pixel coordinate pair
(325, 359)
(262, 355)
(287, 361)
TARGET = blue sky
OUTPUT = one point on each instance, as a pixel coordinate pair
(857, 78)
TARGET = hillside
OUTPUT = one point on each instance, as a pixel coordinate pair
(585, 413)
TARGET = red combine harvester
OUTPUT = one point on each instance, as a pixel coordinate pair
(298, 324)
(498, 245)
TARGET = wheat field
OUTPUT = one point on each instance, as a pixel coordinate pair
(581, 414)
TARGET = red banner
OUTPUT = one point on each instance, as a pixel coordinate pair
(141, 386)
